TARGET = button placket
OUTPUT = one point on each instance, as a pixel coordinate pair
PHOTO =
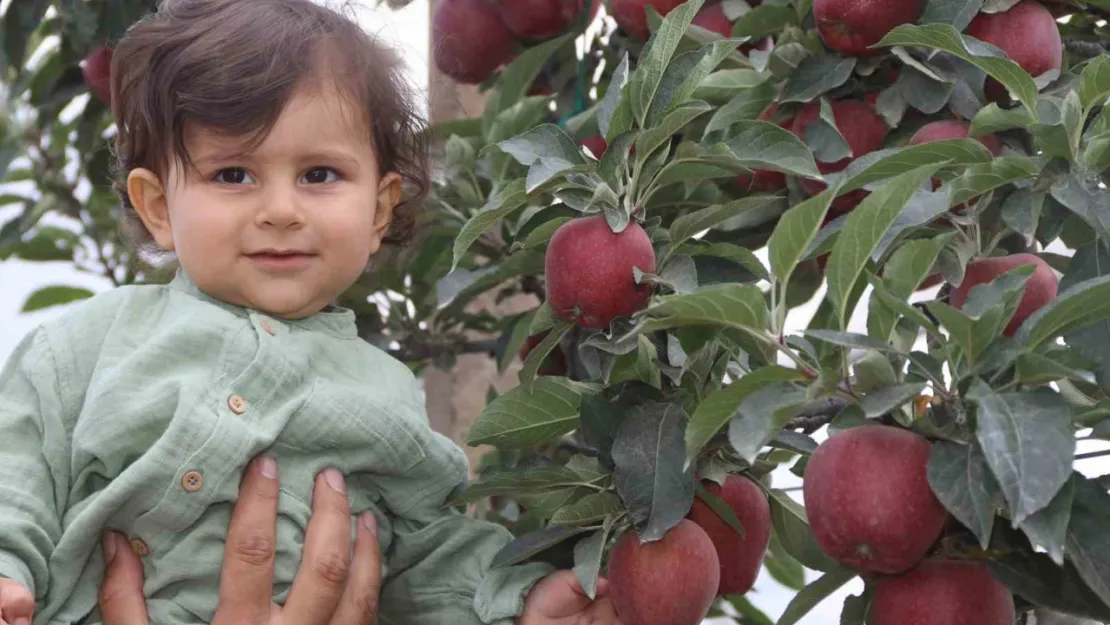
(139, 547)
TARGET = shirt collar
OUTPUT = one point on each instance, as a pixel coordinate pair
(334, 320)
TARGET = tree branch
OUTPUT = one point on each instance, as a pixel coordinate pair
(816, 414)
(1093, 454)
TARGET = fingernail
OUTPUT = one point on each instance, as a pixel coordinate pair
(335, 479)
(370, 522)
(108, 546)
(268, 467)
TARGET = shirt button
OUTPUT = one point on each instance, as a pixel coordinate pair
(267, 326)
(139, 547)
(192, 481)
(237, 404)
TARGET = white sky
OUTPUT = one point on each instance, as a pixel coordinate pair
(406, 28)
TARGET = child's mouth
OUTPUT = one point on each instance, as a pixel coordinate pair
(281, 259)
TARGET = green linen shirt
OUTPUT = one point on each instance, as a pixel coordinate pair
(139, 410)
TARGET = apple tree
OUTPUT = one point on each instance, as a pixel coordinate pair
(863, 243)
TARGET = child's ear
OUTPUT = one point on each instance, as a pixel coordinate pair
(389, 195)
(148, 196)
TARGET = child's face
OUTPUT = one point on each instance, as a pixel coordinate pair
(286, 228)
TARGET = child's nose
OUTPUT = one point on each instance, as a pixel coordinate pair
(280, 210)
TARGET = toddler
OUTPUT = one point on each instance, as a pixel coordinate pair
(269, 146)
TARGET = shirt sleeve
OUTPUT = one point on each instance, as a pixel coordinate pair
(30, 428)
(439, 558)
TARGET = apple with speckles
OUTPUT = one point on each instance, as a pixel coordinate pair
(951, 592)
(1027, 33)
(851, 27)
(469, 40)
(1040, 289)
(741, 556)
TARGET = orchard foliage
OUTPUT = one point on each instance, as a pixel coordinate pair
(765, 177)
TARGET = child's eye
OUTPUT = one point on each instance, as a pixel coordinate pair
(233, 175)
(321, 175)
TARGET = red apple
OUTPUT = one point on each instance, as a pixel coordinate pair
(952, 129)
(861, 127)
(765, 180)
(540, 19)
(741, 557)
(1039, 290)
(596, 144)
(868, 498)
(850, 27)
(1027, 33)
(556, 362)
(713, 18)
(631, 15)
(589, 271)
(469, 40)
(671, 581)
(948, 591)
(96, 69)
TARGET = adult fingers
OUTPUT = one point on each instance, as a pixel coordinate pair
(246, 580)
(326, 561)
(359, 605)
(121, 593)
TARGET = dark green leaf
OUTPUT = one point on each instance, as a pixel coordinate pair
(600, 420)
(925, 94)
(763, 145)
(795, 231)
(1028, 442)
(719, 407)
(813, 594)
(651, 473)
(816, 76)
(738, 306)
(1082, 305)
(644, 82)
(683, 76)
(760, 415)
(1095, 82)
(517, 78)
(545, 140)
(588, 553)
(883, 400)
(962, 481)
(978, 179)
(782, 566)
(511, 482)
(589, 509)
(651, 140)
(789, 521)
(523, 417)
(1082, 197)
(850, 340)
(532, 544)
(1089, 262)
(54, 296)
(1037, 579)
(612, 97)
(957, 13)
(763, 20)
(1096, 156)
(991, 119)
(855, 608)
(1048, 529)
(500, 205)
(745, 105)
(1088, 544)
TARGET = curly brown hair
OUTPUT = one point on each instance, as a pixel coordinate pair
(232, 66)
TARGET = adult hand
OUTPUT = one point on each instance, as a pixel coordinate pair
(331, 587)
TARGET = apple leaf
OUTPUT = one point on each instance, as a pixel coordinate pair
(746, 105)
(1090, 262)
(1083, 197)
(1028, 442)
(589, 509)
(960, 478)
(601, 419)
(1096, 156)
(1088, 543)
(947, 38)
(739, 255)
(1048, 529)
(1084, 304)
(523, 417)
(907, 267)
(500, 205)
(763, 20)
(719, 407)
(1094, 83)
(788, 518)
(588, 554)
(760, 415)
(986, 311)
(956, 13)
(816, 76)
(923, 92)
(795, 231)
(650, 140)
(850, 340)
(612, 97)
(816, 592)
(516, 79)
(533, 543)
(657, 54)
(978, 179)
(539, 353)
(855, 608)
(1057, 130)
(49, 296)
(545, 140)
(763, 145)
(881, 401)
(863, 229)
(882, 164)
(991, 119)
(1037, 579)
(683, 76)
(739, 306)
(651, 473)
(531, 479)
(1021, 211)
(719, 507)
(782, 566)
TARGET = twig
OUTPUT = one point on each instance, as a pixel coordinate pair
(816, 414)
(1093, 454)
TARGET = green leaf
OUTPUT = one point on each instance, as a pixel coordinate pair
(985, 313)
(531, 366)
(517, 78)
(760, 415)
(923, 92)
(545, 140)
(657, 55)
(862, 232)
(763, 145)
(1094, 83)
(991, 119)
(1091, 261)
(49, 296)
(740, 255)
(1021, 211)
(1096, 156)
(1028, 442)
(738, 306)
(978, 179)
(907, 267)
(500, 205)
(651, 473)
(851, 340)
(960, 478)
(947, 38)
(719, 507)
(651, 140)
(612, 97)
(1088, 544)
(588, 553)
(813, 594)
(795, 231)
(1037, 579)
(523, 417)
(782, 566)
(600, 420)
(788, 518)
(855, 608)
(1083, 197)
(1048, 529)
(763, 20)
(1057, 132)
(816, 76)
(883, 400)
(534, 543)
(746, 105)
(719, 407)
(589, 509)
(956, 13)
(883, 164)
(683, 76)
(512, 482)
(1082, 305)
